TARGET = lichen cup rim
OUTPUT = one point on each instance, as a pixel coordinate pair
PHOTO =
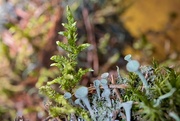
(81, 92)
(127, 57)
(132, 65)
(67, 95)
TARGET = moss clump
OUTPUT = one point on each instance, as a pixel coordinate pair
(70, 75)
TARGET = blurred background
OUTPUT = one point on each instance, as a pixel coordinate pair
(29, 29)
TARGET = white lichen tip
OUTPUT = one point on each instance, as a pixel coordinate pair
(127, 57)
(104, 75)
(67, 95)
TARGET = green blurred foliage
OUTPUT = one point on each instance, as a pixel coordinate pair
(21, 43)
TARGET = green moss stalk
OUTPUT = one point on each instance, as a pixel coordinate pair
(67, 65)
(70, 74)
